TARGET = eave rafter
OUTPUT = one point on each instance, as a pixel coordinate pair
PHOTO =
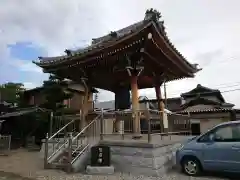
(100, 58)
(109, 48)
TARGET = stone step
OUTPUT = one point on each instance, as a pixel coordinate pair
(65, 154)
(60, 166)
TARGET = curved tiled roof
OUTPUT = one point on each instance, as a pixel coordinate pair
(200, 100)
(207, 110)
(203, 91)
(99, 44)
(199, 86)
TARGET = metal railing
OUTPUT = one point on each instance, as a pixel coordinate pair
(57, 141)
(113, 124)
(5, 144)
(73, 145)
(120, 123)
(83, 139)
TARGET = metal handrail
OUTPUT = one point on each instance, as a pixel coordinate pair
(169, 133)
(80, 153)
(67, 141)
(84, 147)
(60, 130)
(55, 152)
(85, 128)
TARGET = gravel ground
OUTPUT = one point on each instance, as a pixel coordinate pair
(23, 165)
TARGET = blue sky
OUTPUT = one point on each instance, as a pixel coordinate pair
(205, 32)
(20, 68)
(24, 50)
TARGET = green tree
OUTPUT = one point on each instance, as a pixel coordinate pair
(11, 92)
(55, 92)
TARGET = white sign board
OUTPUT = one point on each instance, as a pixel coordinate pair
(165, 120)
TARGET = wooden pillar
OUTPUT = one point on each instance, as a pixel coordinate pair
(135, 106)
(160, 105)
(84, 109)
(165, 118)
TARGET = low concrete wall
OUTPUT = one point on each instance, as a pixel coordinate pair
(142, 158)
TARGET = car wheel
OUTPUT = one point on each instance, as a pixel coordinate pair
(191, 166)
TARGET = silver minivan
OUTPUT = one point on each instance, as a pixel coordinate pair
(216, 150)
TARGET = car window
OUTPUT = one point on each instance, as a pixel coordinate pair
(236, 132)
(228, 133)
(224, 133)
(205, 137)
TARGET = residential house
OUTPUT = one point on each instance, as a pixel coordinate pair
(35, 97)
(197, 110)
(204, 106)
(207, 108)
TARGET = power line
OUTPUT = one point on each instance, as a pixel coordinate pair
(230, 86)
(237, 89)
(231, 90)
(220, 87)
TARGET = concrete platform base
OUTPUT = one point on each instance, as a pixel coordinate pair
(142, 158)
(137, 136)
(100, 170)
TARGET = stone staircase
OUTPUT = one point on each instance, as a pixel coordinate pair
(69, 153)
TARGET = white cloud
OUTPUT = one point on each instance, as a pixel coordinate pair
(31, 85)
(204, 31)
(25, 66)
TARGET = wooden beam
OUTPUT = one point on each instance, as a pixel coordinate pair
(135, 105)
(160, 104)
